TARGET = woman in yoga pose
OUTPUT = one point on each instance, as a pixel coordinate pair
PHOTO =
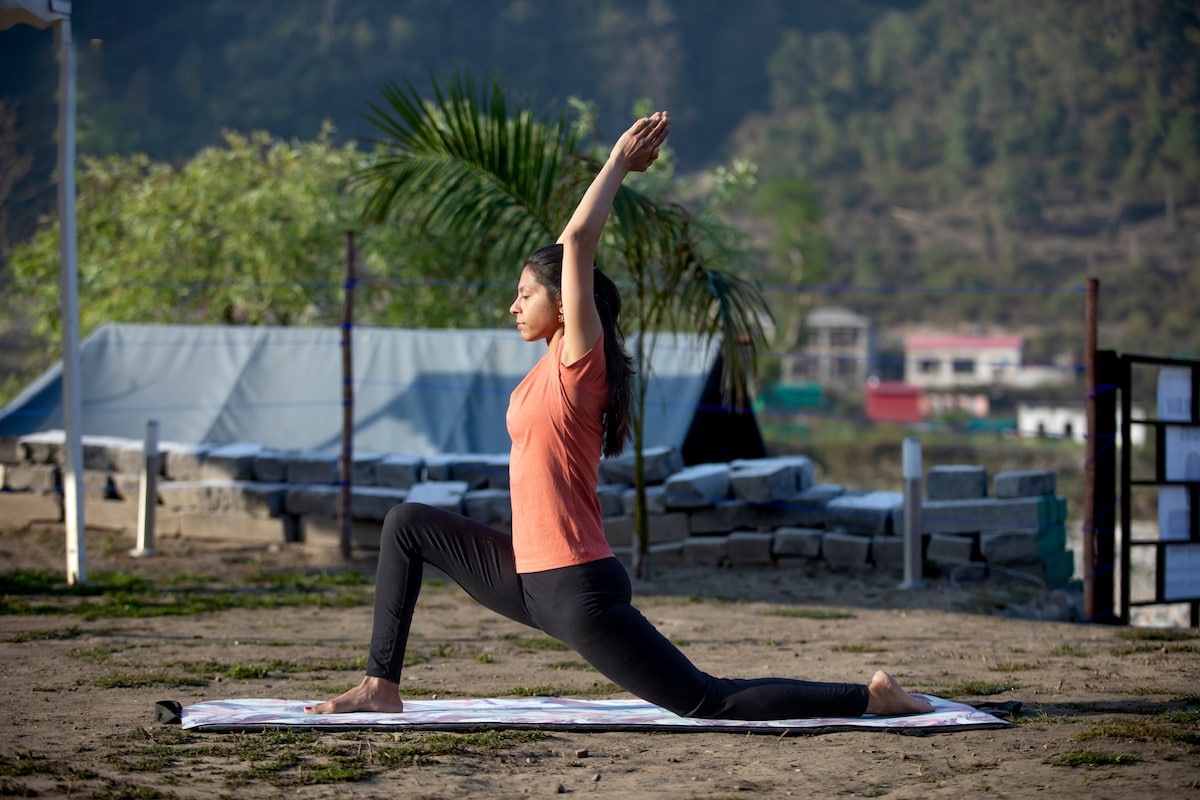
(556, 571)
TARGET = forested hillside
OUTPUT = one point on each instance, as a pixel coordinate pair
(999, 153)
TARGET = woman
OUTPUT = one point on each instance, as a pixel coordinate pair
(556, 571)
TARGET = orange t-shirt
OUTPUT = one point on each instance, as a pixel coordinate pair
(554, 420)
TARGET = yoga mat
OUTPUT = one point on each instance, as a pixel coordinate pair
(554, 713)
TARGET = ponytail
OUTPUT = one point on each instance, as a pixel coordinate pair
(617, 362)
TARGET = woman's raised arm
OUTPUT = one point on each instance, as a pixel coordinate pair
(635, 151)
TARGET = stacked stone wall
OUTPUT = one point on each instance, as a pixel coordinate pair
(768, 512)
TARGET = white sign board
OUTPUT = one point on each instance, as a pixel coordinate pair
(1181, 579)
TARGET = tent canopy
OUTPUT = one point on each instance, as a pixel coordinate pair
(418, 392)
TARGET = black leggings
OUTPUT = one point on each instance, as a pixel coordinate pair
(585, 606)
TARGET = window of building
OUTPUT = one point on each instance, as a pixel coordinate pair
(929, 366)
(964, 366)
(843, 337)
(844, 367)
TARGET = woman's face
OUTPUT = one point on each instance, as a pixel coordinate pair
(536, 313)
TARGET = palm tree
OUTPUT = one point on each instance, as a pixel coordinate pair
(495, 182)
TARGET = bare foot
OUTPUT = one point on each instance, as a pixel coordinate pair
(372, 694)
(888, 699)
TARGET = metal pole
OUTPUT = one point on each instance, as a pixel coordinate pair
(347, 471)
(69, 285)
(1090, 308)
(147, 492)
(911, 469)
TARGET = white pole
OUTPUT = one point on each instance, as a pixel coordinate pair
(911, 469)
(69, 284)
(147, 492)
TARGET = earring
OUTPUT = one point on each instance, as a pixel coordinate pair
(560, 318)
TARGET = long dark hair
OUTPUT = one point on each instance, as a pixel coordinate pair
(546, 266)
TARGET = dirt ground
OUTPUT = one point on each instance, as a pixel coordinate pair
(1105, 712)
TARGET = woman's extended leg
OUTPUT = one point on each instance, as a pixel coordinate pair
(588, 608)
(476, 557)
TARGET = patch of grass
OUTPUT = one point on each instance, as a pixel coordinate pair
(1158, 634)
(1013, 666)
(26, 763)
(1069, 650)
(135, 680)
(572, 665)
(807, 613)
(1090, 758)
(42, 635)
(538, 643)
(1152, 647)
(121, 790)
(1139, 730)
(679, 641)
(976, 688)
(484, 658)
(858, 648)
(116, 595)
(10, 789)
(242, 672)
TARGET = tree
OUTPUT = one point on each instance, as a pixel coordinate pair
(494, 182)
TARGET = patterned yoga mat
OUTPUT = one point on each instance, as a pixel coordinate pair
(554, 713)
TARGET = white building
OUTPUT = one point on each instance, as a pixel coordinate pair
(943, 361)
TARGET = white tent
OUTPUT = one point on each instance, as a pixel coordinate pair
(416, 392)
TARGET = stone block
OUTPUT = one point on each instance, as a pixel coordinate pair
(11, 450)
(947, 548)
(659, 463)
(763, 483)
(270, 466)
(869, 514)
(1051, 539)
(112, 514)
(224, 497)
(44, 447)
(31, 506)
(230, 462)
(807, 508)
(373, 502)
(112, 453)
(611, 499)
(724, 517)
(618, 531)
(1052, 510)
(798, 542)
(399, 472)
(667, 555)
(956, 482)
(446, 495)
(313, 467)
(1024, 483)
(749, 549)
(661, 528)
(701, 551)
(887, 552)
(489, 506)
(699, 486)
(656, 502)
(183, 462)
(313, 500)
(31, 477)
(238, 528)
(752, 470)
(478, 471)
(973, 516)
(1009, 547)
(325, 533)
(1060, 567)
(846, 549)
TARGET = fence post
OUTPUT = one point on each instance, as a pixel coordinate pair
(347, 461)
(911, 469)
(147, 492)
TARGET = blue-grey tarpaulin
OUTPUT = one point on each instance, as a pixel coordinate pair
(418, 392)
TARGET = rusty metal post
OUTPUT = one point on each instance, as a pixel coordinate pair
(347, 461)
